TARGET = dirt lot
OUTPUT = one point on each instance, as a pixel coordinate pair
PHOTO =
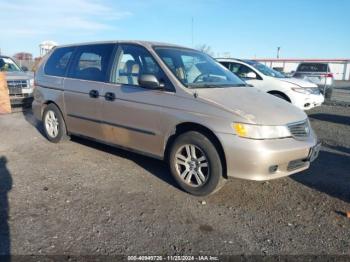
(81, 197)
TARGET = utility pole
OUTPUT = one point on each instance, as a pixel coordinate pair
(278, 52)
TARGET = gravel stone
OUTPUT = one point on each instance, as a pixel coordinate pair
(106, 201)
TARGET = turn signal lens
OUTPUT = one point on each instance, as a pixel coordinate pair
(240, 129)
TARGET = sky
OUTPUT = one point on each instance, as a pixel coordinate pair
(239, 28)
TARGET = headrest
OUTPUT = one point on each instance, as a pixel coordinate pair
(132, 67)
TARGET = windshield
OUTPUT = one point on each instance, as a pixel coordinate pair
(8, 65)
(313, 67)
(197, 70)
(266, 70)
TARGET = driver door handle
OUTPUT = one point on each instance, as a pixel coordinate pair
(109, 96)
(93, 94)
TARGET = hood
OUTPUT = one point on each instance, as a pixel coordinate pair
(18, 76)
(298, 82)
(253, 105)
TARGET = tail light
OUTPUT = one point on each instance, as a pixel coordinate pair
(328, 75)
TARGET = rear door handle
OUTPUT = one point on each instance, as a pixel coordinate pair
(110, 96)
(93, 93)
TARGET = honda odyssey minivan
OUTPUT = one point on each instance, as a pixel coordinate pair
(172, 103)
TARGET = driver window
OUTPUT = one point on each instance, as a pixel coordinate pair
(132, 62)
(234, 68)
(127, 70)
(243, 72)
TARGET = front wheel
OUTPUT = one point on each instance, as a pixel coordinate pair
(195, 164)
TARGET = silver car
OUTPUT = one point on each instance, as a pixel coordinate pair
(172, 103)
(317, 73)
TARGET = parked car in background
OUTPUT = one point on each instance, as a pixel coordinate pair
(303, 94)
(318, 73)
(172, 103)
(19, 82)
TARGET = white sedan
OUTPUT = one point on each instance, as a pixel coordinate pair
(303, 94)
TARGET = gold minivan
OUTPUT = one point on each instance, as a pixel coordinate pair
(172, 103)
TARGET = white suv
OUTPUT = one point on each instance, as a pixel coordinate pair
(303, 94)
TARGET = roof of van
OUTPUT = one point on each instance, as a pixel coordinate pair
(143, 43)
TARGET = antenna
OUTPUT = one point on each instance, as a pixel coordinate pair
(192, 31)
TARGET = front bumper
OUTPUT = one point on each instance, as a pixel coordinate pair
(306, 102)
(265, 159)
(23, 100)
(21, 97)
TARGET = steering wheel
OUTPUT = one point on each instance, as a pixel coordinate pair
(198, 77)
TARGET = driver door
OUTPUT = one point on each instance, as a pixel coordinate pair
(132, 114)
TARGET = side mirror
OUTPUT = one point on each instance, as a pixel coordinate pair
(251, 75)
(24, 68)
(150, 82)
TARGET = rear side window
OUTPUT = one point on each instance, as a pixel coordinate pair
(313, 67)
(91, 62)
(58, 62)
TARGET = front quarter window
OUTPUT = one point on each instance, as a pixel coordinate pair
(195, 69)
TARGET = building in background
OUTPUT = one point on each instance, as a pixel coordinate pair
(339, 67)
(23, 56)
(24, 59)
(46, 46)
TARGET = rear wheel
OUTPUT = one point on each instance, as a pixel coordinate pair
(54, 125)
(195, 164)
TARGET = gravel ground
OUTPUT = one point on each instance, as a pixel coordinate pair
(83, 198)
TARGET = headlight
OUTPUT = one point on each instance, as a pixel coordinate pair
(301, 90)
(260, 132)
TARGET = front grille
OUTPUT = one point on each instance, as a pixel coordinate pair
(15, 86)
(300, 129)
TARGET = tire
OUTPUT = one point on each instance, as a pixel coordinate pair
(206, 176)
(328, 93)
(54, 125)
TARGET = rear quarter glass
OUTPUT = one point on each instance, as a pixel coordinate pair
(58, 61)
